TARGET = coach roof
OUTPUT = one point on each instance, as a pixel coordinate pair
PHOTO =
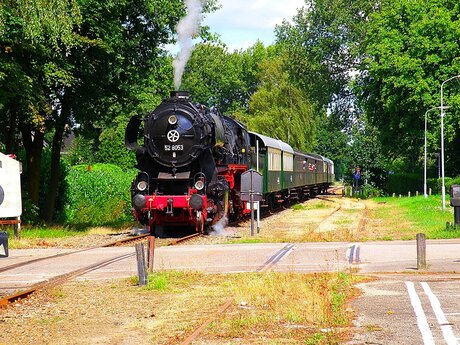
(274, 143)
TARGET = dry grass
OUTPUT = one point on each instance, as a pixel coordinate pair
(276, 308)
(268, 308)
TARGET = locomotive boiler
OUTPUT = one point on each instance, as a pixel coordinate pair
(189, 158)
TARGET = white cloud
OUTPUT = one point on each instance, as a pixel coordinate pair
(242, 21)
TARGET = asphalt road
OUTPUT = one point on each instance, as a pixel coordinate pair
(401, 305)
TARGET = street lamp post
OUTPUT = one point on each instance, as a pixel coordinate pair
(424, 156)
(443, 190)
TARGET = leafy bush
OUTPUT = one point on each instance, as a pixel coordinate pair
(97, 195)
(81, 151)
(112, 149)
(365, 191)
(369, 191)
(31, 214)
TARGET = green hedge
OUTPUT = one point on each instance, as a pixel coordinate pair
(405, 183)
(97, 196)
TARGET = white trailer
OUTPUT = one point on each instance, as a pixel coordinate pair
(10, 191)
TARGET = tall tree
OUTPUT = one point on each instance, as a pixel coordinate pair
(323, 47)
(411, 47)
(323, 44)
(31, 34)
(113, 54)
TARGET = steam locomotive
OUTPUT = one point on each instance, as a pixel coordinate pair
(191, 161)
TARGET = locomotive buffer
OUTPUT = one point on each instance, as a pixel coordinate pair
(251, 190)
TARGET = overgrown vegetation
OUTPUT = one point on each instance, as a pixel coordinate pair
(273, 306)
(268, 308)
(97, 195)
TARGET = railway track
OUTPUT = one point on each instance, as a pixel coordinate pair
(337, 209)
(61, 279)
(113, 244)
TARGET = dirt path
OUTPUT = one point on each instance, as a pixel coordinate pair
(330, 218)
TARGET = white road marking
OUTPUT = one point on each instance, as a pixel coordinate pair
(352, 254)
(442, 320)
(420, 314)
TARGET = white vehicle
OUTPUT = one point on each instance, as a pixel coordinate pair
(10, 189)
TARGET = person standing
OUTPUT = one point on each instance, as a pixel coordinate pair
(356, 178)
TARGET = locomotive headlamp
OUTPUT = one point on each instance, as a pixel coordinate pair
(199, 185)
(172, 120)
(142, 185)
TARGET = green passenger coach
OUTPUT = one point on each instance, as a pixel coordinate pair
(288, 174)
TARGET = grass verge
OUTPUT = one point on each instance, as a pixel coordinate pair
(403, 218)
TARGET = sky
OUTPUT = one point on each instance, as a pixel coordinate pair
(241, 22)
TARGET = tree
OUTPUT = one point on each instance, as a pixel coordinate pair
(323, 47)
(279, 109)
(31, 35)
(53, 82)
(216, 77)
(365, 150)
(410, 48)
(323, 44)
(333, 142)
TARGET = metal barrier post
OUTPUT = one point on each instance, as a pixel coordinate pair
(142, 272)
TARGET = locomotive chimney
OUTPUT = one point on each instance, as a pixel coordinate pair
(185, 95)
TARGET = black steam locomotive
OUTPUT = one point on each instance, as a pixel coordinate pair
(191, 163)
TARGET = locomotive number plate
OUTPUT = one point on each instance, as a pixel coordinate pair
(174, 147)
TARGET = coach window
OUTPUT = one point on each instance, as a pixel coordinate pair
(274, 160)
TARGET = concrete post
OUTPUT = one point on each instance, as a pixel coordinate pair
(421, 251)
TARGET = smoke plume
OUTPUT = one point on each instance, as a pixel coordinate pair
(187, 28)
(218, 229)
